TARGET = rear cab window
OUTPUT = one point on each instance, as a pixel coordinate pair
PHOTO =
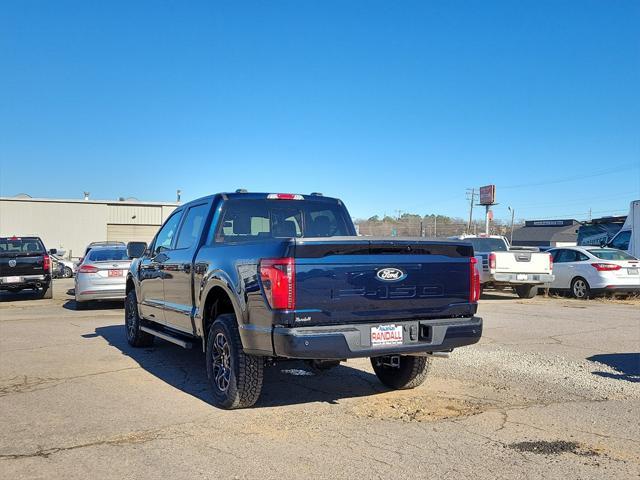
(14, 246)
(261, 219)
(487, 244)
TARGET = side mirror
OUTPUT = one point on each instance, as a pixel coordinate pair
(53, 251)
(603, 243)
(136, 249)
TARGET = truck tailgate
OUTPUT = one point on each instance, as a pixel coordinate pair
(21, 265)
(364, 279)
(522, 262)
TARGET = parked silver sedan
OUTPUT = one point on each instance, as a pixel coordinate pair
(102, 275)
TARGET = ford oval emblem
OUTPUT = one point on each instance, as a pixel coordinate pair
(391, 274)
(12, 263)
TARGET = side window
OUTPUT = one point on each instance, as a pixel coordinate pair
(582, 257)
(565, 256)
(166, 234)
(621, 241)
(192, 226)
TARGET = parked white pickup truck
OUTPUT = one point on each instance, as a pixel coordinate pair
(500, 265)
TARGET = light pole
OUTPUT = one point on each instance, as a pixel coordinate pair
(512, 215)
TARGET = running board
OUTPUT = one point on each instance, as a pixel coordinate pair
(167, 337)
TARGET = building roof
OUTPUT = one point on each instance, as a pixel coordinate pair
(563, 231)
(128, 201)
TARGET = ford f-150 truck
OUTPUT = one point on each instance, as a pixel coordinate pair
(256, 278)
(25, 264)
(500, 265)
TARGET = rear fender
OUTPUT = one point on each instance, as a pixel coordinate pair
(216, 278)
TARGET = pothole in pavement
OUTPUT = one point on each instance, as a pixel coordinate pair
(415, 408)
(555, 447)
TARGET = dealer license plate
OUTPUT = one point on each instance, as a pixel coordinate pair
(633, 271)
(521, 276)
(12, 280)
(115, 273)
(386, 335)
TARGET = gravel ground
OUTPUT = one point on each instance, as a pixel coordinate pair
(551, 391)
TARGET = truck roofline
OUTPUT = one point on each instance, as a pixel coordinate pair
(259, 196)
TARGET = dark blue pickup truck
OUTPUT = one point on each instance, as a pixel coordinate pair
(258, 277)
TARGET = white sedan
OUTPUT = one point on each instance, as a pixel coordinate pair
(585, 271)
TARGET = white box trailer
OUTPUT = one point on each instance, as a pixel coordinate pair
(628, 238)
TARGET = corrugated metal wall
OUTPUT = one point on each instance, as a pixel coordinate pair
(134, 215)
(131, 233)
(71, 226)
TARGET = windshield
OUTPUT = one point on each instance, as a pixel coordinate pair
(14, 246)
(611, 254)
(250, 220)
(107, 254)
(487, 244)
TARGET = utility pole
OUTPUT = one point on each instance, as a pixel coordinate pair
(513, 212)
(471, 196)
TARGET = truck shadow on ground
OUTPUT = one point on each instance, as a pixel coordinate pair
(494, 295)
(23, 295)
(102, 305)
(628, 364)
(286, 383)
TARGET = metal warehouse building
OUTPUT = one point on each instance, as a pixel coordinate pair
(547, 233)
(71, 225)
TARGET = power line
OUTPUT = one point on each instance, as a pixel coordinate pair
(609, 171)
(578, 202)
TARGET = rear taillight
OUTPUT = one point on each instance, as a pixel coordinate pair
(606, 267)
(550, 262)
(46, 263)
(492, 261)
(87, 269)
(474, 281)
(278, 277)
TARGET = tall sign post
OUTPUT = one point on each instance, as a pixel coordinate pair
(488, 199)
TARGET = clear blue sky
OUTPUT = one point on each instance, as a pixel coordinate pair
(388, 105)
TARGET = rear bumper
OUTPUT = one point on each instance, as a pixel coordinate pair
(522, 278)
(630, 289)
(102, 294)
(334, 342)
(25, 281)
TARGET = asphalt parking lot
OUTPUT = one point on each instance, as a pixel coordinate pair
(552, 391)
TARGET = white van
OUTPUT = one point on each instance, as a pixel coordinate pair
(628, 238)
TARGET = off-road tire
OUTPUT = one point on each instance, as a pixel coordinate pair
(135, 336)
(580, 288)
(526, 291)
(411, 373)
(47, 291)
(245, 372)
